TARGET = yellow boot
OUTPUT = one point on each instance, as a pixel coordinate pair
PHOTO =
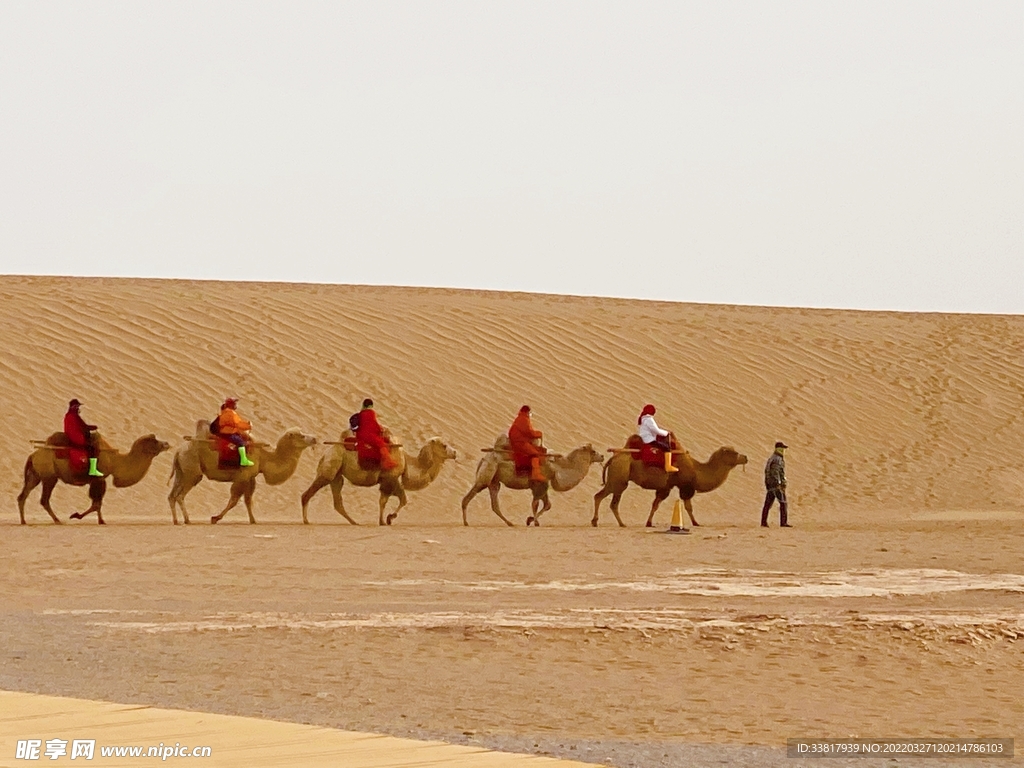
(668, 463)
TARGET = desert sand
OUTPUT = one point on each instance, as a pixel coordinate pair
(892, 608)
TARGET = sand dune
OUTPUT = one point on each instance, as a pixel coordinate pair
(900, 582)
(883, 411)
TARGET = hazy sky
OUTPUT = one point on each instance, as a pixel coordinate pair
(846, 154)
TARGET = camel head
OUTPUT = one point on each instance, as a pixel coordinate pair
(593, 455)
(148, 445)
(294, 439)
(438, 447)
(728, 456)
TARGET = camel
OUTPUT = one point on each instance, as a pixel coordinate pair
(125, 469)
(693, 477)
(198, 459)
(563, 473)
(338, 465)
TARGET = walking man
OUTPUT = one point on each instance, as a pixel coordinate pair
(775, 485)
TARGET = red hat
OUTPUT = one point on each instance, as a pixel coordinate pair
(230, 402)
(525, 409)
(74, 403)
(648, 409)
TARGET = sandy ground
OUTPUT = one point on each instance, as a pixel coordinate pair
(893, 608)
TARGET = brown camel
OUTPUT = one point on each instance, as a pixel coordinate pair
(693, 477)
(338, 465)
(198, 459)
(496, 469)
(44, 466)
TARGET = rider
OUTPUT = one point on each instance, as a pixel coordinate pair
(652, 434)
(370, 432)
(521, 436)
(234, 429)
(80, 435)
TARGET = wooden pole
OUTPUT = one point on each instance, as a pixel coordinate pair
(342, 442)
(509, 453)
(676, 452)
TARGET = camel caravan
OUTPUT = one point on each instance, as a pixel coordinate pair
(369, 456)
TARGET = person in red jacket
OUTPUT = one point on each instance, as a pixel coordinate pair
(80, 435)
(371, 433)
(521, 436)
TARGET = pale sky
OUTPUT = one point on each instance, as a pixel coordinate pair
(845, 154)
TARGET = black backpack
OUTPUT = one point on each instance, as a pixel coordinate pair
(215, 426)
(353, 422)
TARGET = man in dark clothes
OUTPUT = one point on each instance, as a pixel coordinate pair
(775, 485)
(80, 435)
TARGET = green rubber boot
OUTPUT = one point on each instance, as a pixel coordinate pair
(243, 460)
(93, 472)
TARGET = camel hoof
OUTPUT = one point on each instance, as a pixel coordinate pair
(529, 521)
(101, 522)
(214, 520)
(593, 523)
(75, 516)
(695, 524)
(650, 524)
(390, 518)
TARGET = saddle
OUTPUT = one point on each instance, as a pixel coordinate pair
(650, 454)
(77, 458)
(369, 459)
(521, 462)
(227, 453)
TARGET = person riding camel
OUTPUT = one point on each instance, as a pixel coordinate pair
(80, 435)
(652, 434)
(234, 429)
(521, 436)
(370, 433)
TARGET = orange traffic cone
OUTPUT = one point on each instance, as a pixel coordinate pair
(677, 519)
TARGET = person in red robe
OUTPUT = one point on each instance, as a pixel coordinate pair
(371, 433)
(520, 437)
(80, 435)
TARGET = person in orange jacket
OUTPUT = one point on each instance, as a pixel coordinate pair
(371, 433)
(234, 429)
(521, 436)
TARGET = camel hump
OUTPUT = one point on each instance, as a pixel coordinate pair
(634, 441)
(58, 439)
(501, 442)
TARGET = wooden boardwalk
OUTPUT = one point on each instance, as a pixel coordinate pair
(233, 741)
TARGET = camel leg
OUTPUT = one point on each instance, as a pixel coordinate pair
(236, 495)
(399, 491)
(97, 489)
(249, 490)
(339, 505)
(468, 498)
(598, 498)
(309, 493)
(546, 501)
(176, 497)
(493, 488)
(31, 481)
(48, 485)
(615, 508)
(659, 497)
(689, 510)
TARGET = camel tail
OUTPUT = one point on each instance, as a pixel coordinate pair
(604, 471)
